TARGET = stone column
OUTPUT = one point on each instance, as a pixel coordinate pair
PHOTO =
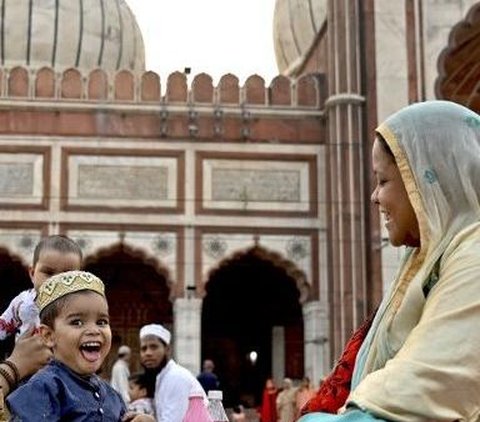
(187, 314)
(348, 155)
(315, 327)
(278, 353)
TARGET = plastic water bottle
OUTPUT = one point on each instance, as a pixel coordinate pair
(215, 406)
(197, 411)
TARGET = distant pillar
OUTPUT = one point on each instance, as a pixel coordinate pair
(278, 353)
(315, 326)
(187, 314)
(348, 152)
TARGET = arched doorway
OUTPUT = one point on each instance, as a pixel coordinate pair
(249, 298)
(137, 292)
(13, 279)
(458, 64)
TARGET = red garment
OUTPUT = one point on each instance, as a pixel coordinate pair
(335, 389)
(268, 408)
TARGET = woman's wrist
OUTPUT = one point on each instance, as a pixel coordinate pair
(14, 369)
(10, 375)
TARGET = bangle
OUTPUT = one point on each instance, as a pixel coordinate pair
(8, 377)
(14, 369)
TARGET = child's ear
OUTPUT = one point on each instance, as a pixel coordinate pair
(48, 335)
(31, 270)
(143, 392)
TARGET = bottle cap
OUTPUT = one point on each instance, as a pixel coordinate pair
(215, 395)
(196, 394)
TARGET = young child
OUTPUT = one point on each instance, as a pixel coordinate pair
(141, 394)
(52, 255)
(75, 325)
(238, 414)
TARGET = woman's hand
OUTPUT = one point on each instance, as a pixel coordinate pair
(143, 418)
(30, 354)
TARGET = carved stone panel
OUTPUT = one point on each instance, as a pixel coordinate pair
(268, 185)
(120, 181)
(21, 178)
(255, 185)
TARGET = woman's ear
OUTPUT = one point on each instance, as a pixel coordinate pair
(48, 335)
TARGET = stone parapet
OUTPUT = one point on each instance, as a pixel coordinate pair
(129, 104)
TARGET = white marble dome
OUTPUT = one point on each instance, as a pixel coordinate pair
(295, 27)
(84, 34)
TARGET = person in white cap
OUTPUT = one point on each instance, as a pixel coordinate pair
(121, 372)
(173, 383)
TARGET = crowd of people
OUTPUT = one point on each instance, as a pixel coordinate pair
(414, 359)
(284, 404)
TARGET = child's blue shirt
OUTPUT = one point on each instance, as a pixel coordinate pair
(55, 393)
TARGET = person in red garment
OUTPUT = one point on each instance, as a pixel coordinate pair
(268, 408)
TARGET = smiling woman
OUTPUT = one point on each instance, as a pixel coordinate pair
(418, 359)
(391, 197)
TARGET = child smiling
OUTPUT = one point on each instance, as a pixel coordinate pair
(75, 324)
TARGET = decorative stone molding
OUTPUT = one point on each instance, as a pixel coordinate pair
(277, 260)
(459, 72)
(145, 87)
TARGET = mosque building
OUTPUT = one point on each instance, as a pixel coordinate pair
(236, 215)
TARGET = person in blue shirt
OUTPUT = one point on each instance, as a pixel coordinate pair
(207, 378)
(75, 325)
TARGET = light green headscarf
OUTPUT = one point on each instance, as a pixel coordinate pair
(421, 358)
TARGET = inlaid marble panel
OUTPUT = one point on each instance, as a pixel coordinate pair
(122, 181)
(21, 178)
(256, 185)
(119, 182)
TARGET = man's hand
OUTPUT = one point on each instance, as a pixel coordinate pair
(137, 417)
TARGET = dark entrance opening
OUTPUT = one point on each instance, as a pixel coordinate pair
(246, 297)
(13, 279)
(137, 293)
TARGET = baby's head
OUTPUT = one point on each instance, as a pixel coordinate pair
(53, 255)
(139, 386)
(74, 320)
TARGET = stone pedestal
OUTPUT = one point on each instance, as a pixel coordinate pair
(317, 353)
(187, 314)
(278, 353)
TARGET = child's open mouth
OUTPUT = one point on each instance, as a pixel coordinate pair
(91, 350)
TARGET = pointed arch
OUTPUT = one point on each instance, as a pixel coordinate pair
(459, 63)
(14, 278)
(253, 302)
(136, 253)
(276, 259)
(13, 257)
(13, 275)
(139, 291)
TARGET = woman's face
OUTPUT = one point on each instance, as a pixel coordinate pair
(269, 384)
(392, 199)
